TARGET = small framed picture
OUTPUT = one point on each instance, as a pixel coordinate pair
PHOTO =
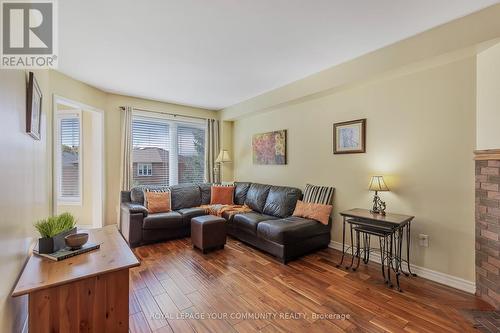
(349, 137)
(33, 108)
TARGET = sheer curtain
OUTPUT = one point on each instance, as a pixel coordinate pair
(126, 149)
(211, 150)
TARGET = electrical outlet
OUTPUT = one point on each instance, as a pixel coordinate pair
(423, 240)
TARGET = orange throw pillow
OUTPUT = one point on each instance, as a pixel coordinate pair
(158, 202)
(222, 195)
(315, 211)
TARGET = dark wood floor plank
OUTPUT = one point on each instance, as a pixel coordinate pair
(138, 324)
(172, 314)
(179, 282)
(136, 281)
(152, 282)
(150, 309)
(207, 324)
(177, 296)
(133, 305)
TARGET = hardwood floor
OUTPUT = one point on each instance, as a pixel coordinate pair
(175, 285)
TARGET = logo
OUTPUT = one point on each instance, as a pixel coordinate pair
(28, 34)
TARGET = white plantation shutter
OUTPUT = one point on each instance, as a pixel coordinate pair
(191, 153)
(69, 159)
(175, 150)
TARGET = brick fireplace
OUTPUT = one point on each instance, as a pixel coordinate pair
(488, 226)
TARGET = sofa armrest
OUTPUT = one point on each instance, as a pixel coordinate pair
(131, 221)
(134, 208)
(125, 196)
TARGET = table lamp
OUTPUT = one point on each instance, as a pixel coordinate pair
(377, 184)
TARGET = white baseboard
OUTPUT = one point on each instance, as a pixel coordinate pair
(448, 280)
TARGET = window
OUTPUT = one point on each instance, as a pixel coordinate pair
(69, 171)
(191, 154)
(144, 169)
(167, 152)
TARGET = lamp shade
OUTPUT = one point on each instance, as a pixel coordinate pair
(223, 157)
(377, 183)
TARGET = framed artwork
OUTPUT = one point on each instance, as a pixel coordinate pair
(33, 108)
(269, 148)
(349, 137)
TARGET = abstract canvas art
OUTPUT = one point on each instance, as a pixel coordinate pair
(349, 137)
(269, 148)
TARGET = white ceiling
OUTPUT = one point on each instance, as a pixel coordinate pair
(216, 53)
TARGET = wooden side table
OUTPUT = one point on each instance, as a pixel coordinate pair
(88, 292)
(398, 226)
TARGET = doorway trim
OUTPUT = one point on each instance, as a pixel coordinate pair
(98, 197)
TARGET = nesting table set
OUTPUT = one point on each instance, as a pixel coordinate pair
(391, 230)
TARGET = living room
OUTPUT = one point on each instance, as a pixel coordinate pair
(252, 166)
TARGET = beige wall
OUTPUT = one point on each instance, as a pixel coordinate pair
(420, 133)
(26, 187)
(488, 98)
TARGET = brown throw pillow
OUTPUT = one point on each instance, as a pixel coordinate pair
(158, 202)
(222, 195)
(315, 211)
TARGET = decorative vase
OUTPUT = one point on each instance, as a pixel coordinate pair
(55, 243)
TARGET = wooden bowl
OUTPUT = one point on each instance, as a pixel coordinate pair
(76, 241)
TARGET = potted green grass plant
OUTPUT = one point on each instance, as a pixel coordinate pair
(53, 230)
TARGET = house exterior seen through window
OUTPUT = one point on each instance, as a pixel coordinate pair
(69, 167)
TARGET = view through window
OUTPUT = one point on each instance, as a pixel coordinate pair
(69, 159)
(167, 152)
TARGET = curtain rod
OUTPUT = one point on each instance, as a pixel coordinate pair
(167, 113)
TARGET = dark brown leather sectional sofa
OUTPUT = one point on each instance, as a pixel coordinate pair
(270, 226)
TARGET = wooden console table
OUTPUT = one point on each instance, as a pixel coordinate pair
(88, 292)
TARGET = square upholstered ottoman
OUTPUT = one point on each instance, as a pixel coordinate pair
(208, 232)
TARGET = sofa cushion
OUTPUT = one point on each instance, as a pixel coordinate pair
(205, 189)
(240, 192)
(281, 201)
(256, 196)
(222, 195)
(185, 196)
(314, 211)
(318, 194)
(137, 192)
(249, 221)
(170, 220)
(291, 229)
(157, 202)
(189, 213)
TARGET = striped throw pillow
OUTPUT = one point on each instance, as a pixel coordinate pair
(318, 194)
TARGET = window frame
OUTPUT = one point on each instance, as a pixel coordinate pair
(66, 200)
(173, 122)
